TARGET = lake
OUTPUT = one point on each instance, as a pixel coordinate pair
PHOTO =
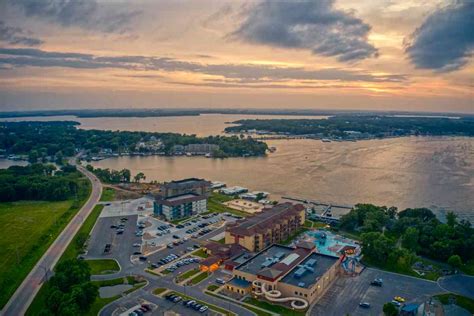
(434, 172)
(202, 125)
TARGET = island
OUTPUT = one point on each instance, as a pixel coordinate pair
(353, 127)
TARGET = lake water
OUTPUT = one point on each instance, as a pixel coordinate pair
(202, 125)
(434, 172)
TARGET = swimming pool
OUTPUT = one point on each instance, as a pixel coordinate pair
(332, 244)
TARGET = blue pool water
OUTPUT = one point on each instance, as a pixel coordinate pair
(332, 244)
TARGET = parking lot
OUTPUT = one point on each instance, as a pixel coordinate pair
(344, 296)
(121, 244)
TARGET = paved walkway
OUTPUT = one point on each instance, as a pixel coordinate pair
(22, 298)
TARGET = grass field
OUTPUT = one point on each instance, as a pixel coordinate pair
(27, 229)
(71, 252)
(212, 287)
(103, 266)
(108, 194)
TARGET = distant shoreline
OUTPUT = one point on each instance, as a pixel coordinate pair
(162, 112)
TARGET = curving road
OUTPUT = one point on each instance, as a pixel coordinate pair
(22, 298)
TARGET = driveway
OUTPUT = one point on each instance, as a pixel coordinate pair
(344, 296)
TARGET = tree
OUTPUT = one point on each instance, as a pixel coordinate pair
(389, 309)
(451, 219)
(410, 239)
(139, 176)
(455, 261)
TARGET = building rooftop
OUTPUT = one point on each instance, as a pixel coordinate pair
(265, 219)
(273, 261)
(309, 271)
(186, 182)
(180, 199)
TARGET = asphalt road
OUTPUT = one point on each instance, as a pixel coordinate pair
(460, 284)
(345, 294)
(23, 296)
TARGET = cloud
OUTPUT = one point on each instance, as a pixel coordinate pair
(445, 40)
(87, 14)
(22, 57)
(15, 35)
(315, 25)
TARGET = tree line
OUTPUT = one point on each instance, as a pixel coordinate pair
(38, 182)
(395, 238)
(377, 125)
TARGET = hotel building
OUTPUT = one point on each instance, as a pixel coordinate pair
(272, 225)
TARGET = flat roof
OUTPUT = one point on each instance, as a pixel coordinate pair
(275, 260)
(308, 278)
(181, 197)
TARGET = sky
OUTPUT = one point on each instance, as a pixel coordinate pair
(411, 55)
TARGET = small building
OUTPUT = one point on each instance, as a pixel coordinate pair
(217, 185)
(218, 253)
(180, 206)
(233, 190)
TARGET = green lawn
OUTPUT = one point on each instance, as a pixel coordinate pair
(187, 274)
(159, 290)
(71, 251)
(273, 307)
(258, 312)
(468, 267)
(433, 276)
(108, 194)
(212, 287)
(462, 301)
(27, 229)
(103, 266)
(213, 307)
(200, 253)
(200, 277)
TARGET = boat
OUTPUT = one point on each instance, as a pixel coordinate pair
(208, 155)
(326, 140)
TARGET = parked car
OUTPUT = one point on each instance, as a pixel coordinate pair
(364, 305)
(143, 258)
(377, 282)
(203, 309)
(399, 299)
(397, 304)
(169, 246)
(220, 281)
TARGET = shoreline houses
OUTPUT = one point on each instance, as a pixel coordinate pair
(182, 198)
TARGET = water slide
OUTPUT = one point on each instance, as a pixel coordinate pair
(275, 296)
(349, 264)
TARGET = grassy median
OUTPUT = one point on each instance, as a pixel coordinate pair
(103, 266)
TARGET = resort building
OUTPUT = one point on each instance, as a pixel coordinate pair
(180, 206)
(183, 198)
(299, 274)
(272, 225)
(190, 185)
